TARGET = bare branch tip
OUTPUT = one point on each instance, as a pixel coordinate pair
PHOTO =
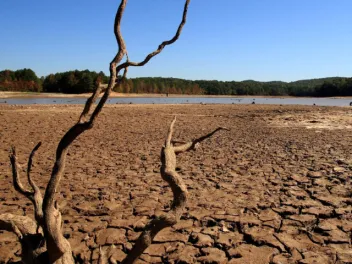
(173, 123)
(13, 151)
(12, 156)
(35, 149)
(38, 145)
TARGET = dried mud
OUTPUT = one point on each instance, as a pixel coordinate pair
(274, 189)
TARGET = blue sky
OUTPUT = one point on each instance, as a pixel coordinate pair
(223, 40)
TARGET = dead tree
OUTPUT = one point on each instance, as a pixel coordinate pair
(29, 232)
(53, 247)
(178, 187)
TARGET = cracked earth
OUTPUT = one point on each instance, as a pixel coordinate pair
(275, 189)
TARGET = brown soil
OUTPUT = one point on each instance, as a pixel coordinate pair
(275, 189)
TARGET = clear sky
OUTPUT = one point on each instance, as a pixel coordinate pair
(225, 39)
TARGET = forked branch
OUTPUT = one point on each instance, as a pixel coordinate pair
(33, 195)
(162, 45)
(179, 190)
(15, 174)
(47, 214)
(122, 51)
(193, 144)
(58, 246)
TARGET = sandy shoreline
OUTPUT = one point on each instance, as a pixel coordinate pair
(278, 183)
(4, 95)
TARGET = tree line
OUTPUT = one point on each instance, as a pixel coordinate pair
(159, 85)
(25, 80)
(85, 81)
(334, 86)
(73, 82)
(20, 80)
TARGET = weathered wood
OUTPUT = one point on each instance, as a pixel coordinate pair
(179, 190)
(47, 214)
(31, 240)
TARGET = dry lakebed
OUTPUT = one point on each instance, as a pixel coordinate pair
(276, 188)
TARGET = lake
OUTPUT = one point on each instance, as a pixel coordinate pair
(186, 100)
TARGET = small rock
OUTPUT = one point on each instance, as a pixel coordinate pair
(213, 256)
(185, 255)
(305, 219)
(201, 240)
(168, 235)
(250, 254)
(314, 174)
(111, 236)
(156, 250)
(229, 240)
(339, 169)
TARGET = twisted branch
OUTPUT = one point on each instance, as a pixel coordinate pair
(47, 213)
(29, 166)
(162, 45)
(122, 51)
(35, 195)
(58, 246)
(15, 174)
(179, 190)
(27, 231)
(90, 101)
(192, 145)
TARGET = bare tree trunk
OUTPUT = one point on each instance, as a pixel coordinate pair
(47, 216)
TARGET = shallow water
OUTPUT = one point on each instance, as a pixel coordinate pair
(185, 100)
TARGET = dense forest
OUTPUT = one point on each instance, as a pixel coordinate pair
(85, 81)
(26, 80)
(73, 82)
(159, 85)
(20, 80)
(334, 86)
